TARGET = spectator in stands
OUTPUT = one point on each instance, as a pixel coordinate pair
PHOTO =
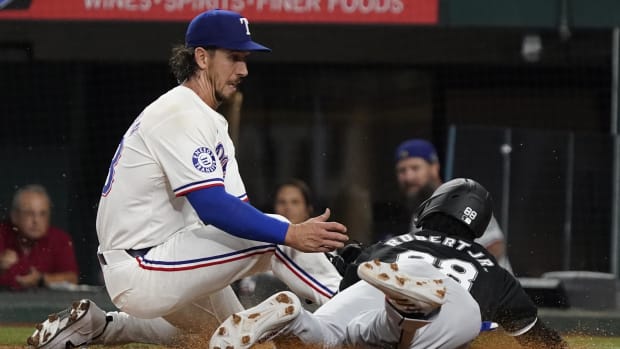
(417, 175)
(293, 200)
(32, 252)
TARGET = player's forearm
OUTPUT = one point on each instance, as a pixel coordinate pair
(216, 207)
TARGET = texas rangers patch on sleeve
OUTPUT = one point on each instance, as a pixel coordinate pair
(204, 160)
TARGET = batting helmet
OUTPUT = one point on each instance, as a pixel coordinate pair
(463, 199)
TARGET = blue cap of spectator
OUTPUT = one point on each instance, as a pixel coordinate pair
(416, 148)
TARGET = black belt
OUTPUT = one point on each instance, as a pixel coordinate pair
(134, 253)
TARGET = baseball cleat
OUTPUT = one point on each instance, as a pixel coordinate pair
(71, 328)
(407, 293)
(259, 323)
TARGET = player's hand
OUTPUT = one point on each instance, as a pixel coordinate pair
(7, 259)
(316, 234)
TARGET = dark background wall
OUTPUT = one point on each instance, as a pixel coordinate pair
(329, 105)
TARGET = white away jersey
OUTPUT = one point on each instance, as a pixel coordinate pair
(178, 144)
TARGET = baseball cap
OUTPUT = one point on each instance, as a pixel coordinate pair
(416, 148)
(223, 29)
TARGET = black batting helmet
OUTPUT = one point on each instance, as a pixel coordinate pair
(463, 199)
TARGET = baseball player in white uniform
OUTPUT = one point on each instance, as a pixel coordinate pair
(174, 226)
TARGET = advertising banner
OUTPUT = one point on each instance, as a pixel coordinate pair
(274, 11)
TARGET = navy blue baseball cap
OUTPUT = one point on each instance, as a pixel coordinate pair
(417, 148)
(223, 29)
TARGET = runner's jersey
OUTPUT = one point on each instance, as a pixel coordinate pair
(499, 294)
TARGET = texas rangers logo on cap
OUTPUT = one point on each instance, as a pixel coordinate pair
(204, 160)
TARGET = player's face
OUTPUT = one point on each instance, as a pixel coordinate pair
(291, 204)
(32, 216)
(227, 70)
(413, 174)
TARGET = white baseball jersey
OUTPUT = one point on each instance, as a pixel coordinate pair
(178, 144)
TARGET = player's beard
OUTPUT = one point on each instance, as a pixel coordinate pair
(220, 96)
(218, 93)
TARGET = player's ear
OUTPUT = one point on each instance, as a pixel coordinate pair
(201, 56)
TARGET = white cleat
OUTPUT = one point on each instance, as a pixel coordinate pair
(406, 292)
(73, 327)
(261, 322)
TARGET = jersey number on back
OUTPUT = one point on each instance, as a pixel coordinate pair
(463, 272)
(107, 187)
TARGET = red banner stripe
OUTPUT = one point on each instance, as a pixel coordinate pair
(283, 11)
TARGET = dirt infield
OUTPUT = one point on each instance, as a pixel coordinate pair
(495, 340)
